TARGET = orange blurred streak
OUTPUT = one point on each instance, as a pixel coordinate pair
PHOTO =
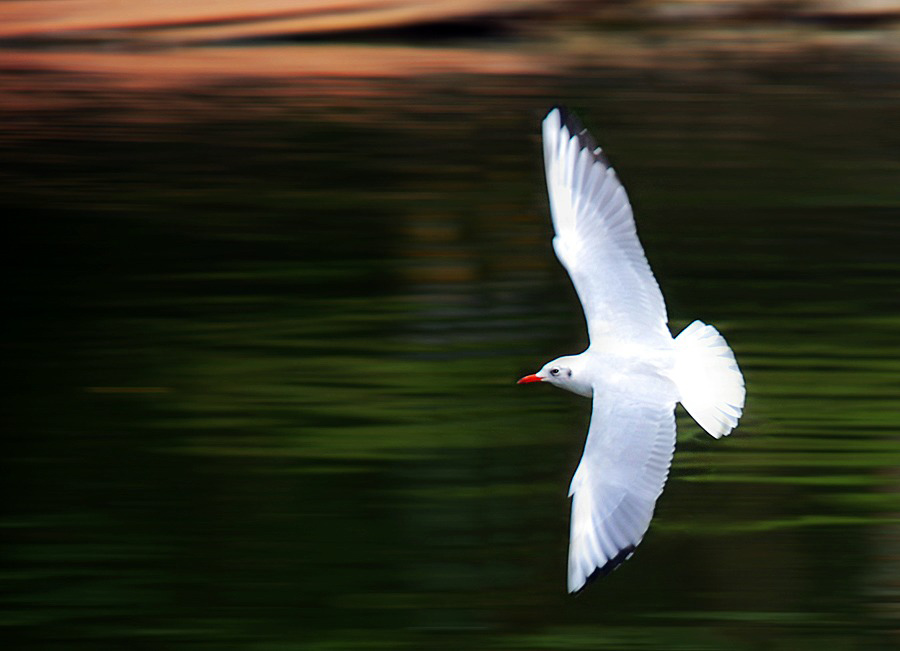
(166, 20)
(302, 62)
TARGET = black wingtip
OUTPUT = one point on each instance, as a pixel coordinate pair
(610, 565)
(576, 128)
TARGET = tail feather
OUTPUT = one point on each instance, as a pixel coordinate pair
(708, 379)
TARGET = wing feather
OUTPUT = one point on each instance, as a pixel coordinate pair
(622, 473)
(596, 240)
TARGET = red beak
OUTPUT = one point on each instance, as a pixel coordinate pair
(530, 378)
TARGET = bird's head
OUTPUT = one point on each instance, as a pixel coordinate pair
(562, 372)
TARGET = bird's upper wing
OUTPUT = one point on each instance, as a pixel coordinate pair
(622, 472)
(596, 239)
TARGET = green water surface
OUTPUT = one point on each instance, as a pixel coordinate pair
(260, 366)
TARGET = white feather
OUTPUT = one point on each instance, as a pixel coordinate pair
(596, 240)
(709, 381)
(621, 474)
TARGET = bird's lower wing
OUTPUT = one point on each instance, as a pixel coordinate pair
(621, 474)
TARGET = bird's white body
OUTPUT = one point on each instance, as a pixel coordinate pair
(634, 369)
(614, 365)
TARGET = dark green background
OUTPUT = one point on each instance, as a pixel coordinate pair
(262, 342)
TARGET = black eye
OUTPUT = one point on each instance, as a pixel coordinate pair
(554, 371)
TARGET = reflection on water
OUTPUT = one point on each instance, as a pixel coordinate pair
(261, 368)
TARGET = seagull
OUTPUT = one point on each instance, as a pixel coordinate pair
(633, 369)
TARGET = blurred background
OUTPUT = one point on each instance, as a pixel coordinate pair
(275, 266)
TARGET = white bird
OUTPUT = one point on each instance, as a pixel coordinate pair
(633, 368)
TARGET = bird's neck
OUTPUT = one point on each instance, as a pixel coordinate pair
(581, 382)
